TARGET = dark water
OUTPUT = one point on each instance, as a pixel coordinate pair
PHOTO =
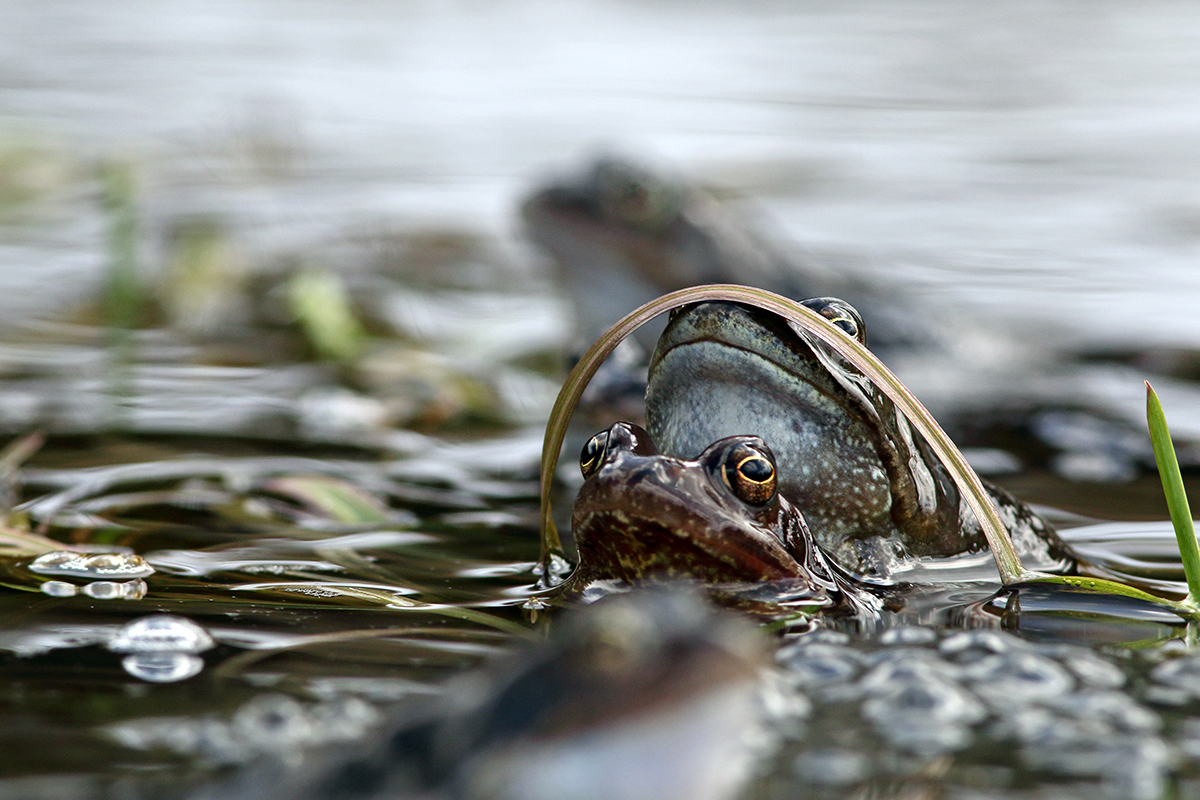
(352, 527)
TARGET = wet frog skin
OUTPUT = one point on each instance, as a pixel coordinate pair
(871, 490)
(718, 518)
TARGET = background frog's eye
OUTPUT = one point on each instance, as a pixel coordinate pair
(592, 454)
(751, 475)
(841, 314)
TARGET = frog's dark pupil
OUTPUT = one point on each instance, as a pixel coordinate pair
(751, 476)
(847, 325)
(756, 468)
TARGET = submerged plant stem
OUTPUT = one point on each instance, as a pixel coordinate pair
(123, 293)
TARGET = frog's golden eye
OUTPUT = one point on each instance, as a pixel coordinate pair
(841, 314)
(751, 475)
(592, 454)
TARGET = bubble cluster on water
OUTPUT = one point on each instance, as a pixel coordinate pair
(980, 708)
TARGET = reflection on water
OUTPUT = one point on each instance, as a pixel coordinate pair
(290, 524)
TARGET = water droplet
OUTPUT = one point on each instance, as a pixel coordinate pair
(162, 633)
(103, 590)
(162, 667)
(50, 561)
(59, 589)
(106, 561)
(92, 565)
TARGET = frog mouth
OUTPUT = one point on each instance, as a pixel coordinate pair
(631, 538)
(610, 542)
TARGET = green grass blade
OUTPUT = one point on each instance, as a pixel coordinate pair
(1177, 502)
(322, 305)
(123, 294)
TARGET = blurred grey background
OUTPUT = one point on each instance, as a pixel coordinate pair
(1038, 159)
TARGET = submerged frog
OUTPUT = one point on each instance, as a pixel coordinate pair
(620, 235)
(873, 493)
(718, 518)
(645, 694)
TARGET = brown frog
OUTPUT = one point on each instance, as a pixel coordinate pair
(718, 518)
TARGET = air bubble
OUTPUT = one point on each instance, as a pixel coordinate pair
(162, 633)
(92, 565)
(59, 589)
(162, 667)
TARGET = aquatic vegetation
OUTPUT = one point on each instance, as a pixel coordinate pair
(321, 305)
(125, 293)
(204, 289)
(29, 171)
(1177, 502)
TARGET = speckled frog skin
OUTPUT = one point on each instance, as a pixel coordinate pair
(717, 518)
(871, 490)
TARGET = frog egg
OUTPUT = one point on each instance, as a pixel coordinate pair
(161, 633)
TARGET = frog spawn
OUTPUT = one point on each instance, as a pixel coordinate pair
(918, 706)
